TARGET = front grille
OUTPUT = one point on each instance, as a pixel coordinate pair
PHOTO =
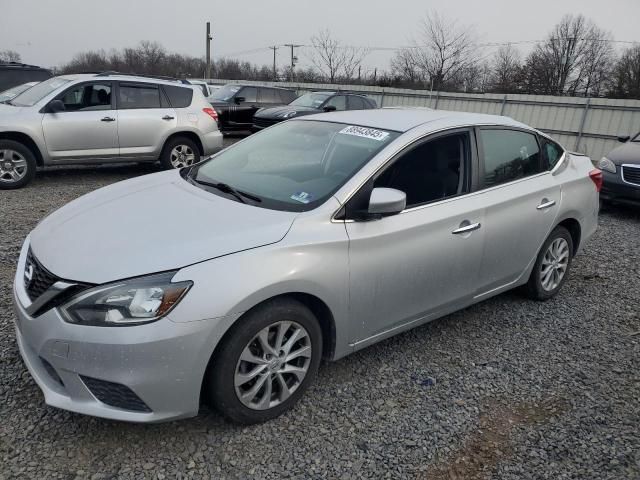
(264, 122)
(37, 279)
(115, 394)
(51, 371)
(631, 175)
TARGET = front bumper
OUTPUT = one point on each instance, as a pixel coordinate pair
(614, 189)
(160, 365)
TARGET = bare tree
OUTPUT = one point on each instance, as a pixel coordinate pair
(506, 70)
(9, 56)
(404, 65)
(626, 75)
(445, 50)
(333, 59)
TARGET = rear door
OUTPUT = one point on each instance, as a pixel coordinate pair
(521, 200)
(87, 128)
(145, 119)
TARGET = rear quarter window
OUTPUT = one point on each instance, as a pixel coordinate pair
(179, 97)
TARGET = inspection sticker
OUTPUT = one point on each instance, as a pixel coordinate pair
(371, 133)
(302, 197)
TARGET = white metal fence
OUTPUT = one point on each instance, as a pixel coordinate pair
(587, 125)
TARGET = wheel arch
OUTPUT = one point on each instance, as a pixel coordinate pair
(575, 229)
(27, 141)
(188, 134)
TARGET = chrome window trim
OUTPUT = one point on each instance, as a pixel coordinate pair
(448, 199)
(628, 165)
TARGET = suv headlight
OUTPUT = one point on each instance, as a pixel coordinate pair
(607, 165)
(130, 302)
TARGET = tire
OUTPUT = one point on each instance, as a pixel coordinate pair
(539, 289)
(227, 367)
(18, 168)
(179, 152)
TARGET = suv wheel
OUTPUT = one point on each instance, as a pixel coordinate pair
(552, 265)
(17, 165)
(179, 152)
(266, 362)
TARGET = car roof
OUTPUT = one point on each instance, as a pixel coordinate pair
(261, 86)
(404, 119)
(121, 76)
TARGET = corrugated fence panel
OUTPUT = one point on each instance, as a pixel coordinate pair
(590, 126)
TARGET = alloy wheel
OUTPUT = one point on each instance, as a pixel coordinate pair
(554, 264)
(13, 166)
(273, 365)
(182, 156)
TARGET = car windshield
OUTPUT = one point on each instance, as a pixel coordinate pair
(15, 91)
(293, 166)
(36, 93)
(226, 92)
(313, 100)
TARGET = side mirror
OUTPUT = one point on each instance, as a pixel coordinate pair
(238, 100)
(56, 106)
(329, 108)
(386, 201)
(624, 138)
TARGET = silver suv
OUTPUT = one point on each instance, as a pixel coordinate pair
(104, 118)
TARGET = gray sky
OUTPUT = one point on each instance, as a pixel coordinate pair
(49, 33)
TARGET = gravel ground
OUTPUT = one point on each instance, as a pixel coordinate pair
(507, 389)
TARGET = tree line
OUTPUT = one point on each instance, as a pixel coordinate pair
(576, 58)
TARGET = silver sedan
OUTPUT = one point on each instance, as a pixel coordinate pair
(229, 281)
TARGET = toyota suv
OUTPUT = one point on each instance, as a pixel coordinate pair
(104, 118)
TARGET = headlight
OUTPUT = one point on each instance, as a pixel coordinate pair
(287, 114)
(130, 302)
(607, 165)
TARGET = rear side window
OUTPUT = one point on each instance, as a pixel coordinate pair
(356, 103)
(551, 153)
(179, 97)
(509, 155)
(138, 95)
(269, 95)
(287, 96)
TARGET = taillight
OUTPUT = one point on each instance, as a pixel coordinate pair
(596, 176)
(211, 112)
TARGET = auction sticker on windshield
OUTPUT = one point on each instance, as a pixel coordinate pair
(371, 133)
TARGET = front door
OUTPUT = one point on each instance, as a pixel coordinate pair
(87, 128)
(411, 266)
(246, 104)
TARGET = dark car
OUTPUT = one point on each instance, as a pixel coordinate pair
(621, 173)
(237, 103)
(309, 103)
(13, 73)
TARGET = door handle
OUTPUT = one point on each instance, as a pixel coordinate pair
(546, 204)
(168, 117)
(470, 227)
(107, 119)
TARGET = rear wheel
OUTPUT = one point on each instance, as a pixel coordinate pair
(552, 265)
(17, 165)
(266, 362)
(179, 152)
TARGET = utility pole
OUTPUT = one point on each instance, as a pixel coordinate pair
(208, 40)
(294, 59)
(275, 70)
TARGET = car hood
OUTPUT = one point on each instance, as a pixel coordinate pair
(275, 112)
(9, 110)
(149, 224)
(627, 153)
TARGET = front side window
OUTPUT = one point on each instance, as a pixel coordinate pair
(250, 94)
(38, 92)
(509, 155)
(295, 165)
(87, 97)
(429, 172)
(225, 93)
(138, 95)
(339, 101)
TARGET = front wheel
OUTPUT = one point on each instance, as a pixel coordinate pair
(179, 152)
(552, 265)
(266, 362)
(17, 165)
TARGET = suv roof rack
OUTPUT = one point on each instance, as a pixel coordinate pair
(144, 75)
(17, 65)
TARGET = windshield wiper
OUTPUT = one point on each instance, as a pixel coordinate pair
(225, 188)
